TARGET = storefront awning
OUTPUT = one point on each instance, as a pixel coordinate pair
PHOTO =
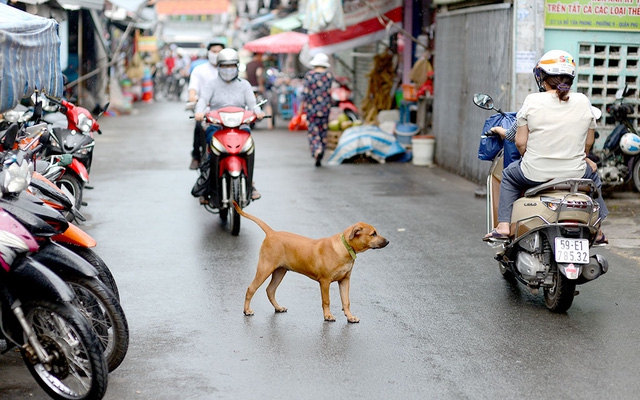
(144, 16)
(192, 7)
(258, 21)
(288, 23)
(29, 56)
(280, 43)
(85, 4)
(365, 23)
(72, 4)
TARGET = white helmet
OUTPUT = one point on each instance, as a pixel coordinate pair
(630, 144)
(228, 57)
(554, 62)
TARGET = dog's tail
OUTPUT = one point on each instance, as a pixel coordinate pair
(266, 228)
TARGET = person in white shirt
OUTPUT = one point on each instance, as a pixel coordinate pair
(555, 133)
(200, 75)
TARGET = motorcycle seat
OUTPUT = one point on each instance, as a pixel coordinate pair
(573, 185)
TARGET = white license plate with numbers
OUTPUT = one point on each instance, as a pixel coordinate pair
(572, 250)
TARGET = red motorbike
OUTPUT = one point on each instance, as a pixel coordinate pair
(342, 96)
(77, 139)
(228, 173)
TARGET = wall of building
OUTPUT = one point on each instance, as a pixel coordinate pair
(473, 54)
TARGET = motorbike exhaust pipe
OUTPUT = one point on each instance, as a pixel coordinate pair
(597, 266)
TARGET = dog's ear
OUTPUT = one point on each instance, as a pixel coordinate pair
(355, 231)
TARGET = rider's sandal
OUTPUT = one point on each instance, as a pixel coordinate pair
(495, 236)
(602, 241)
(255, 195)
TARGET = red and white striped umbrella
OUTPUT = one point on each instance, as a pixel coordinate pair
(284, 42)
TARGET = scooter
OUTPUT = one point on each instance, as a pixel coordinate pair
(41, 186)
(57, 343)
(554, 226)
(77, 139)
(342, 97)
(227, 174)
(93, 298)
(619, 159)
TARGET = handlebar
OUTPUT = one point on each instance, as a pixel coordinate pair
(53, 99)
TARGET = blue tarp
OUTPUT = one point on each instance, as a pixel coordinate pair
(368, 140)
(29, 56)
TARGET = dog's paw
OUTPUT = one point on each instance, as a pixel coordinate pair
(330, 318)
(248, 312)
(353, 319)
(281, 310)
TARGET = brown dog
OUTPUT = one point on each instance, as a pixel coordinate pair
(324, 260)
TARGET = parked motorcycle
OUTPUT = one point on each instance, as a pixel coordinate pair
(619, 159)
(78, 136)
(555, 225)
(60, 199)
(32, 138)
(228, 172)
(342, 97)
(174, 85)
(93, 299)
(76, 139)
(57, 343)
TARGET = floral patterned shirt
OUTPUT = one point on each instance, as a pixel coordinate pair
(316, 94)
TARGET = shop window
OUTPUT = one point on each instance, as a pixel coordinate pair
(602, 71)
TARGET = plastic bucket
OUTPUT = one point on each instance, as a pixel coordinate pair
(423, 148)
(404, 133)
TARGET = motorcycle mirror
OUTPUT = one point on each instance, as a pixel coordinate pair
(37, 112)
(9, 137)
(45, 137)
(621, 93)
(483, 101)
(103, 110)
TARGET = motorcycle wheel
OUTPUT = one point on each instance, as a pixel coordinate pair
(234, 217)
(104, 273)
(74, 185)
(635, 175)
(560, 297)
(105, 315)
(78, 369)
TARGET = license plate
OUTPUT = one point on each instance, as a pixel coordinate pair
(572, 250)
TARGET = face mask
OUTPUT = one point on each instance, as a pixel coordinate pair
(213, 58)
(228, 74)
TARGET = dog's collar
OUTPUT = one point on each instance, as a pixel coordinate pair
(350, 249)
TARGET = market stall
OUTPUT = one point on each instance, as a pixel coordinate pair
(29, 56)
(280, 43)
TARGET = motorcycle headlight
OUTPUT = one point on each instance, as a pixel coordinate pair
(217, 147)
(16, 176)
(232, 120)
(84, 123)
(83, 151)
(551, 202)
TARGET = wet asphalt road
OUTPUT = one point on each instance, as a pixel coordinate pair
(437, 320)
